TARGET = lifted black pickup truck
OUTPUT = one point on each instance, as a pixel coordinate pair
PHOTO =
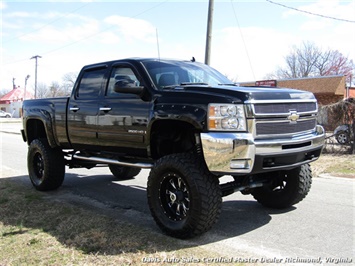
(186, 122)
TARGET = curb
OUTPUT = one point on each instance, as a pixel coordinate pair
(11, 125)
(10, 120)
(10, 132)
(328, 176)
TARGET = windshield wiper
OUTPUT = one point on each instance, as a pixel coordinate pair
(170, 86)
(183, 84)
(193, 83)
(228, 84)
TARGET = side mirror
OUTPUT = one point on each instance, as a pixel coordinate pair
(128, 86)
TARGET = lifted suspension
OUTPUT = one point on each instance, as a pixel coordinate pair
(244, 185)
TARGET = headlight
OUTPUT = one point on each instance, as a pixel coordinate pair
(230, 117)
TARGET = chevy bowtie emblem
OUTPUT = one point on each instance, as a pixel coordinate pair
(293, 117)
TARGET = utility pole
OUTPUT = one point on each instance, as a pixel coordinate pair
(36, 57)
(24, 93)
(209, 32)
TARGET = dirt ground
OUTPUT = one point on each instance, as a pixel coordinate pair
(334, 165)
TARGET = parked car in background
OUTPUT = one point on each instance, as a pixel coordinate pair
(4, 114)
(343, 134)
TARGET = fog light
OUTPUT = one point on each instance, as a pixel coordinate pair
(240, 164)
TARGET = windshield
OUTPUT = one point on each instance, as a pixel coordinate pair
(168, 74)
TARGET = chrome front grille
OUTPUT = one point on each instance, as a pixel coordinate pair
(282, 108)
(284, 127)
(284, 118)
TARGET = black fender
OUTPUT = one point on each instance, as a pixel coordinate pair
(191, 116)
(35, 117)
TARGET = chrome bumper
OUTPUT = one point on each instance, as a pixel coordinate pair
(240, 153)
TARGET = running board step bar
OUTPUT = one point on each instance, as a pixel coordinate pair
(111, 161)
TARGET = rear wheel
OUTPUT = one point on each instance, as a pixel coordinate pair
(45, 164)
(123, 172)
(286, 188)
(183, 196)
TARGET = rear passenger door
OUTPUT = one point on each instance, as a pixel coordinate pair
(83, 108)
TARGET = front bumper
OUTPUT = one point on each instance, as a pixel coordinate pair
(240, 153)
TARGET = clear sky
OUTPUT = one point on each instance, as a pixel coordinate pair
(249, 40)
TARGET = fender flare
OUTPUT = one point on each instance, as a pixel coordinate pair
(46, 119)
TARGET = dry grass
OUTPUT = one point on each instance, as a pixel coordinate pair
(336, 165)
(38, 231)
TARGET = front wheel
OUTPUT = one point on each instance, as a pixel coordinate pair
(285, 188)
(46, 167)
(183, 196)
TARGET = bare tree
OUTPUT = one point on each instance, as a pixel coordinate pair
(308, 60)
(41, 90)
(68, 82)
(54, 90)
(338, 64)
(4, 92)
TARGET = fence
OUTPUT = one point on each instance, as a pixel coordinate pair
(334, 115)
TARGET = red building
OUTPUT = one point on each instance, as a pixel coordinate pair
(12, 101)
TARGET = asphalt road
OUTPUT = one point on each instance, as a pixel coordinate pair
(321, 227)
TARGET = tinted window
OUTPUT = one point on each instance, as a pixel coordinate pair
(165, 73)
(90, 84)
(120, 74)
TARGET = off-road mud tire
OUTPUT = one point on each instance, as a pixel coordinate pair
(123, 172)
(287, 188)
(45, 164)
(183, 177)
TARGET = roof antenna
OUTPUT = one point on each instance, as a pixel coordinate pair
(156, 33)
(193, 59)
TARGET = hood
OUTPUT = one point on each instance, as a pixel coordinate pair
(250, 93)
(266, 93)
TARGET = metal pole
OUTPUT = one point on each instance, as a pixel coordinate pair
(24, 93)
(209, 32)
(156, 33)
(36, 57)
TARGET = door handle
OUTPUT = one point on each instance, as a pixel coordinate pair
(105, 109)
(74, 109)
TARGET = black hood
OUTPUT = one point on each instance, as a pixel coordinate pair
(251, 93)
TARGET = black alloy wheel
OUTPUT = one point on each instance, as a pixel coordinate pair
(38, 168)
(183, 196)
(175, 197)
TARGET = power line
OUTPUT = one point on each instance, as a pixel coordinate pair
(88, 37)
(310, 13)
(45, 25)
(245, 46)
(105, 29)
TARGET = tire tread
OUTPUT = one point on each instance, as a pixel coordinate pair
(207, 185)
(54, 165)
